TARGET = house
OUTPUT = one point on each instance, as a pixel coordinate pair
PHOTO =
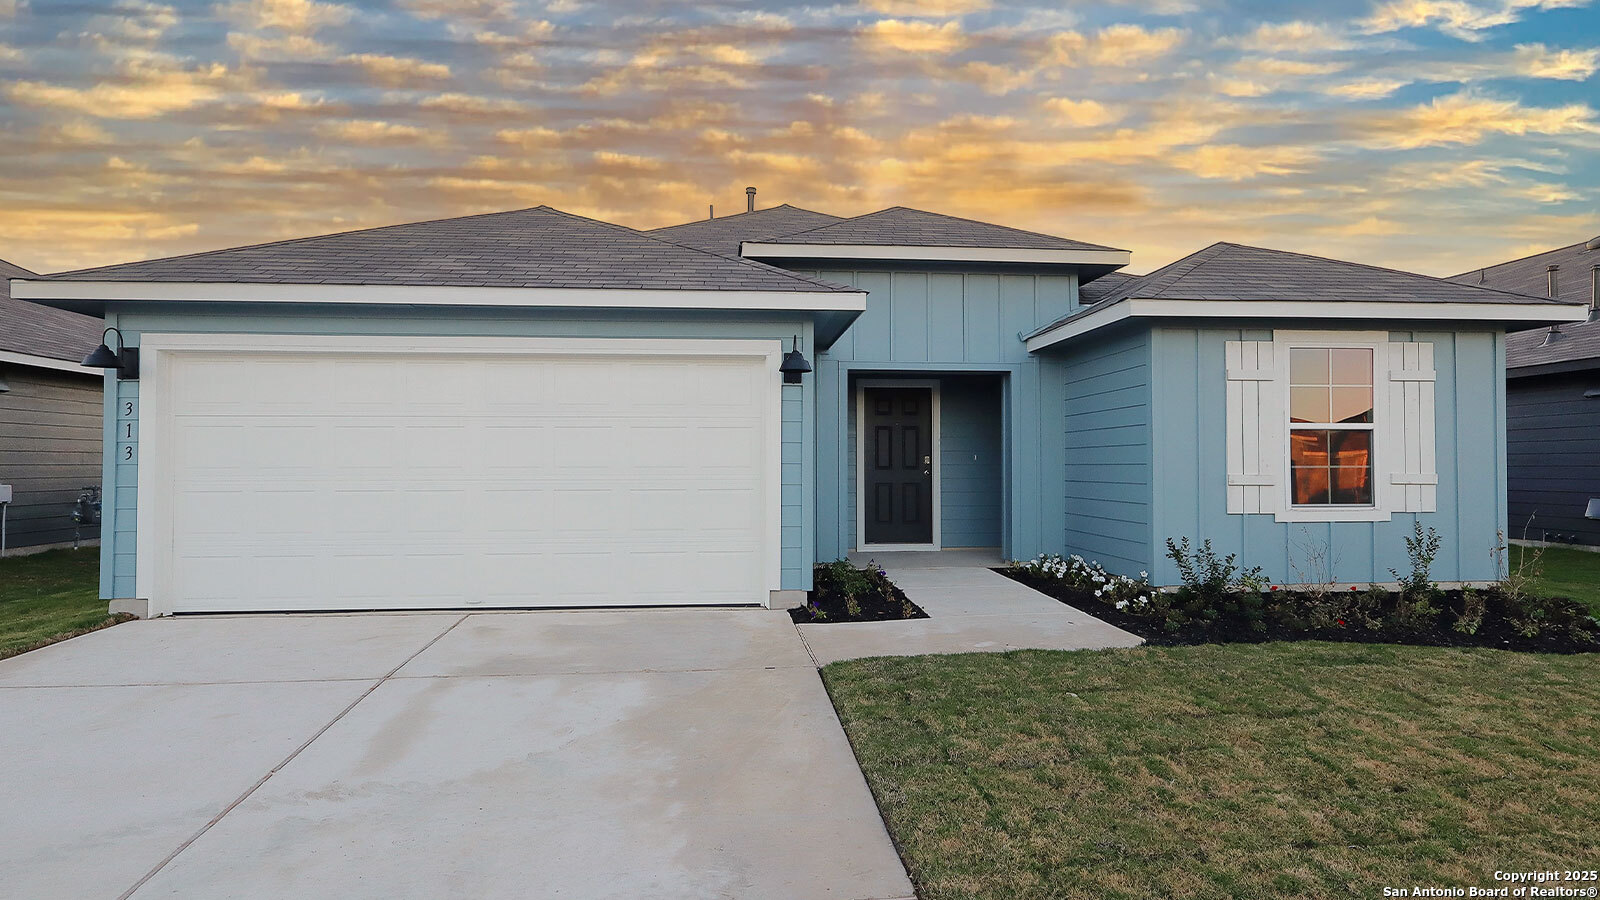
(49, 419)
(533, 408)
(1553, 399)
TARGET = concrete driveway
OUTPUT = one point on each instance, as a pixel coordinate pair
(673, 753)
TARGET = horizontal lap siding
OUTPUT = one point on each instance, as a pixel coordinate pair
(50, 440)
(1107, 470)
(1553, 457)
(118, 577)
(1190, 472)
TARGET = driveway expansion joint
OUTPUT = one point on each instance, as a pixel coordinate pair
(285, 762)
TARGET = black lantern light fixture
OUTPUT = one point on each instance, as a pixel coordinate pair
(124, 359)
(794, 364)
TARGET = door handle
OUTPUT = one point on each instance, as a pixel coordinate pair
(927, 471)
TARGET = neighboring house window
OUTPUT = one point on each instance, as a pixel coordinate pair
(1330, 427)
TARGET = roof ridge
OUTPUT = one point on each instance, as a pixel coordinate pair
(748, 212)
(309, 237)
(804, 279)
(1193, 260)
(928, 212)
(1508, 262)
(8, 264)
(1345, 262)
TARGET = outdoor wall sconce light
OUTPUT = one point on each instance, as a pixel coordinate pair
(794, 364)
(125, 360)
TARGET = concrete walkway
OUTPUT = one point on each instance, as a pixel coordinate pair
(670, 753)
(970, 609)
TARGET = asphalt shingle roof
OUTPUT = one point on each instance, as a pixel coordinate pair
(1224, 272)
(1529, 275)
(529, 248)
(722, 235)
(900, 226)
(39, 330)
(1103, 287)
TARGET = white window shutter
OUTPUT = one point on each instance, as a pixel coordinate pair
(1255, 422)
(1413, 478)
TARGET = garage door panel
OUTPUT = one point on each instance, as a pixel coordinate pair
(321, 481)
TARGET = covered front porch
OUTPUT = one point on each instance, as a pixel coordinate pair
(923, 464)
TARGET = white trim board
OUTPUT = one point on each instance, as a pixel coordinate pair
(862, 384)
(155, 457)
(46, 362)
(421, 295)
(1303, 310)
(766, 250)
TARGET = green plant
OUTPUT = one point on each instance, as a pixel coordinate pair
(1204, 573)
(1517, 581)
(1470, 618)
(1421, 550)
(1131, 595)
(1215, 592)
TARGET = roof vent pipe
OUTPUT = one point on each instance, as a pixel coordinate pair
(749, 199)
(1594, 293)
(1554, 334)
(711, 210)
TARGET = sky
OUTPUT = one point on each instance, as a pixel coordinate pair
(1429, 135)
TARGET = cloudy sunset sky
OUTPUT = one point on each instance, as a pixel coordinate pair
(1432, 135)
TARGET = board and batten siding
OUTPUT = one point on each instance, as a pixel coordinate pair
(927, 323)
(49, 451)
(1107, 473)
(117, 569)
(1189, 390)
(1553, 456)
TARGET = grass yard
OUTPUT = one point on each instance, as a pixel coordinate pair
(49, 597)
(1273, 770)
(1570, 573)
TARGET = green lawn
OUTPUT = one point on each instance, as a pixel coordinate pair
(48, 597)
(1570, 573)
(1277, 770)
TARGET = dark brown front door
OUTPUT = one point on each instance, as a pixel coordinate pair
(898, 457)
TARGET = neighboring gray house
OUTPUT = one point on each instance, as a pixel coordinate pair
(533, 408)
(1553, 399)
(50, 413)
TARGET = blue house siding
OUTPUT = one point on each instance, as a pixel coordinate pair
(925, 323)
(1189, 445)
(117, 573)
(1108, 479)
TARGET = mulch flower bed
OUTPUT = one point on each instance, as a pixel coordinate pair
(1489, 617)
(844, 593)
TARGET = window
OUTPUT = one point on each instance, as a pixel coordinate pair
(1331, 426)
(1359, 441)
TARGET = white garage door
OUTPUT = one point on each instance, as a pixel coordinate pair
(424, 479)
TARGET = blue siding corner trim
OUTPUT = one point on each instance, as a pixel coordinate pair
(1189, 444)
(1107, 471)
(120, 473)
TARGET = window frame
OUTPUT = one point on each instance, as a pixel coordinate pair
(1381, 508)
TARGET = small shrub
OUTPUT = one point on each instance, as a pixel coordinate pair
(1517, 581)
(1470, 617)
(1215, 591)
(1131, 595)
(1421, 550)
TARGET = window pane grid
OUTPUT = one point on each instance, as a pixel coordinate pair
(1330, 426)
